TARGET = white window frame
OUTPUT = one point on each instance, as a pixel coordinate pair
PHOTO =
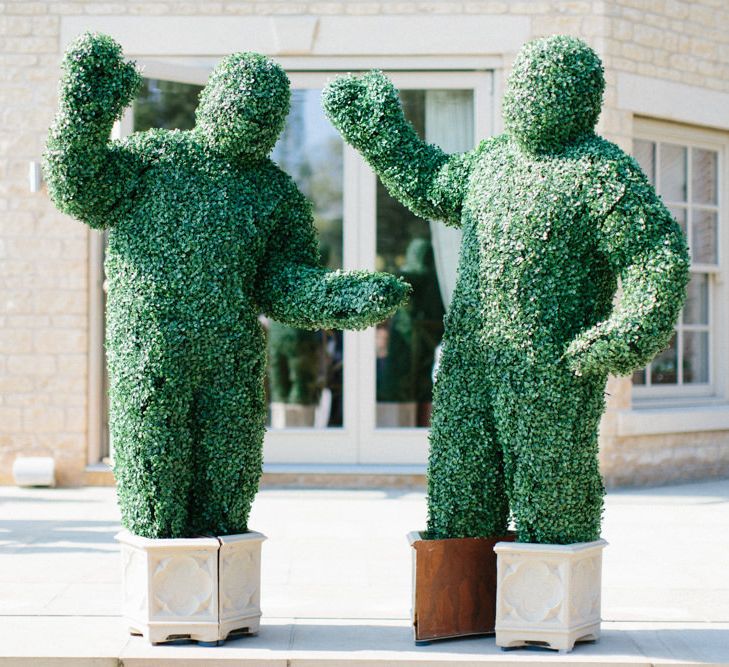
(358, 442)
(717, 389)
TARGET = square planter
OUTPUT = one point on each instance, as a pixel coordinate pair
(203, 588)
(454, 586)
(548, 594)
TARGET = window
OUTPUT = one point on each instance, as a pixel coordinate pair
(685, 168)
(354, 397)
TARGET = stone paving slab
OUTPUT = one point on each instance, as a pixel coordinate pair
(81, 641)
(336, 583)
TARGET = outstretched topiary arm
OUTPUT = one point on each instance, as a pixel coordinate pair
(367, 112)
(647, 249)
(87, 176)
(294, 289)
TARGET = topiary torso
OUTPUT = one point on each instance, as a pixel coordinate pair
(192, 240)
(534, 266)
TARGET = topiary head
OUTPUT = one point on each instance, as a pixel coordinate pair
(244, 106)
(554, 94)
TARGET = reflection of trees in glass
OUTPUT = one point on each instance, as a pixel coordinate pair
(310, 150)
(414, 332)
(407, 342)
(166, 104)
(302, 363)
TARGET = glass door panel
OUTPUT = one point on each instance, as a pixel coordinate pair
(407, 343)
(305, 368)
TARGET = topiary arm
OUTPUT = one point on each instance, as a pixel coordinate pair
(647, 249)
(294, 289)
(367, 112)
(87, 176)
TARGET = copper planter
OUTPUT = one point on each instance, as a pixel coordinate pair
(454, 586)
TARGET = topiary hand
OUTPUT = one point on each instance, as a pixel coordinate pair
(313, 298)
(362, 107)
(591, 354)
(359, 299)
(607, 349)
(97, 82)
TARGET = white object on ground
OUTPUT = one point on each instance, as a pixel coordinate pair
(34, 471)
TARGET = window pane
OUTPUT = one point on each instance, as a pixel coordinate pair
(407, 343)
(703, 237)
(696, 310)
(673, 172)
(167, 104)
(305, 367)
(639, 376)
(695, 357)
(664, 368)
(704, 176)
(679, 214)
(645, 154)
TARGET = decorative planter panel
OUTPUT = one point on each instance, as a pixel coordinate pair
(454, 586)
(240, 583)
(201, 588)
(548, 594)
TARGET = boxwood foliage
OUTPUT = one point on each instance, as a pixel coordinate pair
(552, 217)
(205, 233)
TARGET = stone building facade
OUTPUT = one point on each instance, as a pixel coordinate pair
(667, 70)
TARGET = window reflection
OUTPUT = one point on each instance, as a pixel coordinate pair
(407, 343)
(304, 376)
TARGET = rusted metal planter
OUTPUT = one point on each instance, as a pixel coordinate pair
(454, 586)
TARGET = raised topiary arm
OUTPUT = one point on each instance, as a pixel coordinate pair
(87, 176)
(294, 289)
(647, 249)
(368, 114)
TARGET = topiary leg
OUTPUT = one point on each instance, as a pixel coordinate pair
(466, 494)
(548, 424)
(152, 441)
(228, 449)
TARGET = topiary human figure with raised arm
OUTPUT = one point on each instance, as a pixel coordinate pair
(552, 216)
(205, 232)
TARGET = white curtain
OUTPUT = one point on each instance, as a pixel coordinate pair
(449, 124)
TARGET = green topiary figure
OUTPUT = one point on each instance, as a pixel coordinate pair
(204, 233)
(552, 216)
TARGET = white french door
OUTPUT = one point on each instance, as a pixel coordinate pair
(357, 397)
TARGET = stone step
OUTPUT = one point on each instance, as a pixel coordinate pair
(73, 641)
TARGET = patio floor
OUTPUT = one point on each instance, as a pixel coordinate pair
(336, 583)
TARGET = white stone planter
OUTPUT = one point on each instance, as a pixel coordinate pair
(200, 588)
(391, 414)
(548, 594)
(292, 415)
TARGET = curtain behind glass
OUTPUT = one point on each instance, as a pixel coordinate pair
(449, 124)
